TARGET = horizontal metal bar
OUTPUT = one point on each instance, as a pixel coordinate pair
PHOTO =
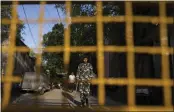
(137, 82)
(97, 108)
(152, 108)
(83, 19)
(35, 2)
(144, 3)
(53, 49)
(149, 50)
(87, 19)
(114, 19)
(112, 81)
(84, 49)
(139, 49)
(133, 108)
(11, 79)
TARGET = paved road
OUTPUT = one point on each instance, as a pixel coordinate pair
(57, 97)
(53, 97)
(74, 98)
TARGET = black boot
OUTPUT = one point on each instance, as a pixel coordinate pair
(82, 103)
(87, 102)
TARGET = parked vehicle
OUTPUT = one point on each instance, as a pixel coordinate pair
(32, 82)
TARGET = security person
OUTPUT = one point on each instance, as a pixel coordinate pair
(84, 74)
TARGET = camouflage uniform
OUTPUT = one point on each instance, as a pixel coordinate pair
(84, 74)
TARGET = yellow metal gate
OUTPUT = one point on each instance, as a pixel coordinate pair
(131, 81)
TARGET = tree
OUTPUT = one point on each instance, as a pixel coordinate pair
(144, 35)
(6, 13)
(53, 62)
(81, 35)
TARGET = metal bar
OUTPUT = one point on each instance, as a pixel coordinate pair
(39, 49)
(67, 36)
(137, 82)
(100, 53)
(87, 19)
(134, 108)
(137, 49)
(136, 3)
(165, 54)
(164, 50)
(130, 56)
(109, 81)
(95, 108)
(34, 2)
(11, 79)
(10, 59)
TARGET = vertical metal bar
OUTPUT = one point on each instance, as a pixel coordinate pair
(130, 55)
(165, 54)
(39, 49)
(67, 36)
(10, 59)
(100, 54)
(67, 39)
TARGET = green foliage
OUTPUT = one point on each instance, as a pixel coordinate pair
(53, 62)
(79, 9)
(81, 35)
(55, 37)
(6, 13)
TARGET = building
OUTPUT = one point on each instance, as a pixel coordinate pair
(22, 61)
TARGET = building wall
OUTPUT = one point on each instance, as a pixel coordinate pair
(22, 62)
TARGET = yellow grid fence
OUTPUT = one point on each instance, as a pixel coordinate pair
(131, 81)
